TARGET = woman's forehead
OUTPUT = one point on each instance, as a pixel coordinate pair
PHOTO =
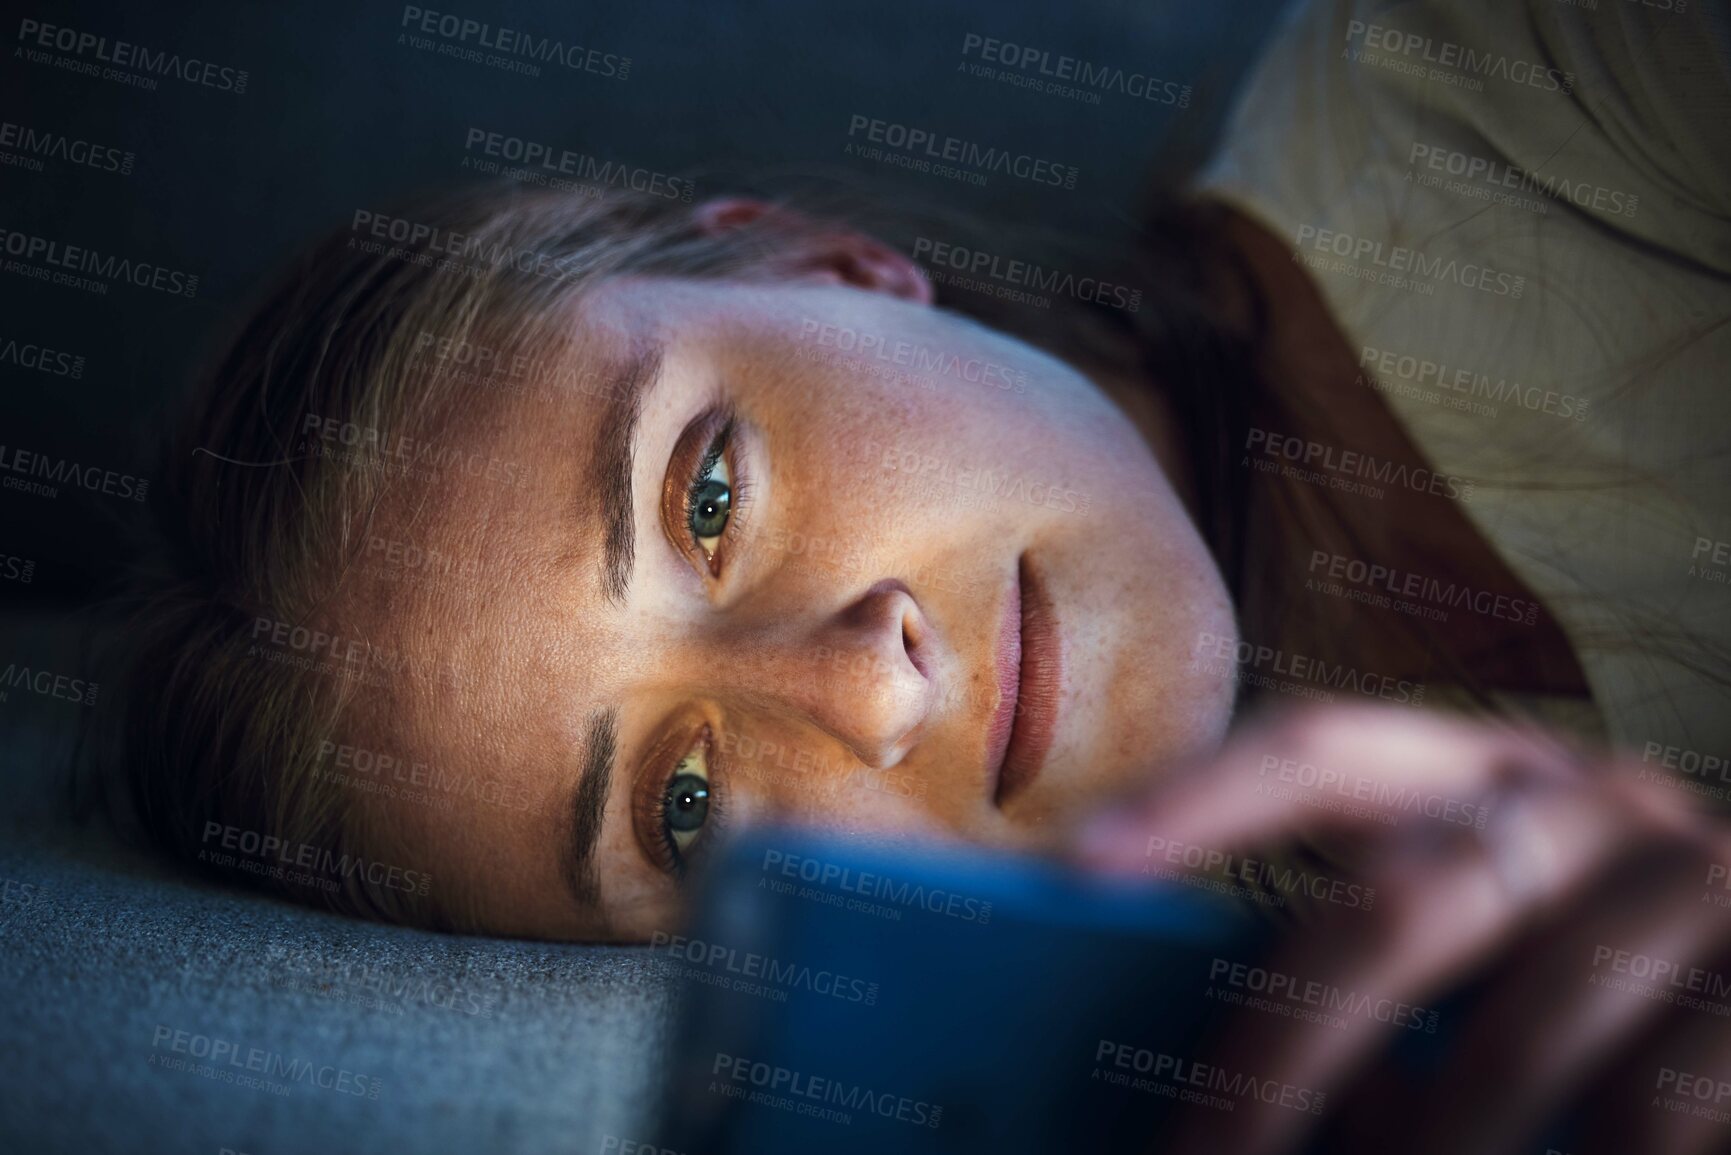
(469, 556)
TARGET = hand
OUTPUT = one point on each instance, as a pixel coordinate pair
(1588, 900)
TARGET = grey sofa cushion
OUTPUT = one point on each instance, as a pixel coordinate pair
(146, 1012)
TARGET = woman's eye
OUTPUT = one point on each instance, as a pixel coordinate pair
(685, 804)
(709, 502)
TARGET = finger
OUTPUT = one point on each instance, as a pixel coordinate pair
(1670, 1095)
(1558, 1010)
(1444, 904)
(1361, 768)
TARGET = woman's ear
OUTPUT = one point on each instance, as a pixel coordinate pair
(836, 255)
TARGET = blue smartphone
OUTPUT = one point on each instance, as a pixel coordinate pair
(842, 997)
(838, 997)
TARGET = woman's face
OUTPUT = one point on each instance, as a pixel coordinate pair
(796, 550)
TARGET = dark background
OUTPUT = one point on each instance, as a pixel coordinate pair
(338, 115)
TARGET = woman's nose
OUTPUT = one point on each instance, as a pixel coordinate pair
(862, 673)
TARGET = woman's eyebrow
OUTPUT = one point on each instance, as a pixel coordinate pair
(581, 827)
(610, 469)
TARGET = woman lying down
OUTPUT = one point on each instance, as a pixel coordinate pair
(525, 545)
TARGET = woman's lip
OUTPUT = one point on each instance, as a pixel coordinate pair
(1007, 661)
(1039, 686)
(1030, 669)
